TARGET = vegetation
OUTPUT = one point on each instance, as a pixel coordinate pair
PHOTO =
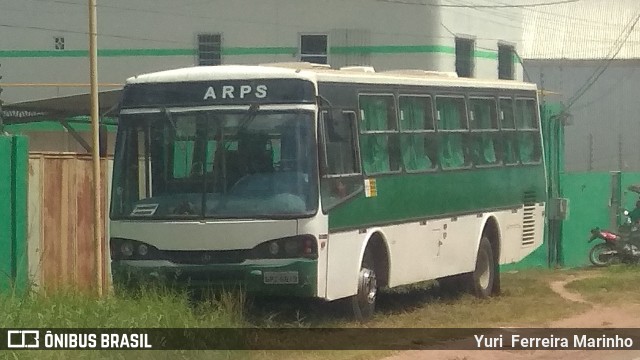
(527, 300)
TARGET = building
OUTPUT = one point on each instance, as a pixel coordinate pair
(45, 43)
(588, 53)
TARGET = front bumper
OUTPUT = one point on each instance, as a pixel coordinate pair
(253, 276)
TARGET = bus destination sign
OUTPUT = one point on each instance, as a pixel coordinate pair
(223, 92)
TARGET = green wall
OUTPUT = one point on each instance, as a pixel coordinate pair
(589, 195)
(14, 162)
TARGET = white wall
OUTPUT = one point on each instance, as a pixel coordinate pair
(395, 34)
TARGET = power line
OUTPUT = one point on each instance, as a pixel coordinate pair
(599, 71)
(40, 28)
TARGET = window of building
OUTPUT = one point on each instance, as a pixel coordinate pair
(313, 48)
(453, 127)
(506, 55)
(342, 175)
(465, 48)
(483, 120)
(58, 43)
(379, 140)
(418, 145)
(209, 49)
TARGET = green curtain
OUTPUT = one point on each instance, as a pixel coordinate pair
(485, 152)
(525, 114)
(506, 106)
(451, 150)
(510, 148)
(182, 158)
(525, 118)
(374, 147)
(412, 145)
(526, 147)
(482, 113)
(451, 147)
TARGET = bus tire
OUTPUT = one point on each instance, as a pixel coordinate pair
(363, 303)
(481, 280)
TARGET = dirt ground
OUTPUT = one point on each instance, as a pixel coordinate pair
(598, 316)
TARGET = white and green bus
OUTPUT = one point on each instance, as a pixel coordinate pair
(296, 179)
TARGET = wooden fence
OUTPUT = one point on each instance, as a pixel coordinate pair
(62, 253)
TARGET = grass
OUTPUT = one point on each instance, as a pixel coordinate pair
(149, 309)
(615, 285)
(526, 300)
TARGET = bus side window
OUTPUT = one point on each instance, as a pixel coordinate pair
(529, 147)
(342, 175)
(379, 139)
(484, 126)
(418, 143)
(453, 127)
(508, 132)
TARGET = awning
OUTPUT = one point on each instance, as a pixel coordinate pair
(57, 108)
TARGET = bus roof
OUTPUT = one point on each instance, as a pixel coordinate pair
(323, 73)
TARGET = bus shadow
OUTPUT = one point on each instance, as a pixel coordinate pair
(296, 312)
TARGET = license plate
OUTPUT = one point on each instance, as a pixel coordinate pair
(282, 277)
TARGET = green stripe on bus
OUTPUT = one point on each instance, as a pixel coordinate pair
(441, 192)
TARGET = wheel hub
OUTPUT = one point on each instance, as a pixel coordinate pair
(485, 272)
(367, 286)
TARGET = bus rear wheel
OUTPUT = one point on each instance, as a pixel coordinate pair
(481, 281)
(363, 303)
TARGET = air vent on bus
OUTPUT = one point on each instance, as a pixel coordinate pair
(529, 219)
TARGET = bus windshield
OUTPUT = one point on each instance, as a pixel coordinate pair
(215, 164)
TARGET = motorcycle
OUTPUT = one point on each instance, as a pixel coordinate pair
(616, 248)
(623, 246)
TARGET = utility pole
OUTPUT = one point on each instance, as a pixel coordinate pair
(95, 127)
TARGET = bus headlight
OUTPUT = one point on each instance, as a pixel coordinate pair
(274, 248)
(126, 249)
(133, 250)
(143, 250)
(294, 247)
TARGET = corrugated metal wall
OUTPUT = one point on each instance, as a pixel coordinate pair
(61, 248)
(13, 213)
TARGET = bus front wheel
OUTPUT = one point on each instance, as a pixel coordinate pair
(364, 302)
(481, 280)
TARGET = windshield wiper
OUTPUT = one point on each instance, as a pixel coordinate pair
(246, 120)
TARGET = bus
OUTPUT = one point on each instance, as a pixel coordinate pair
(301, 180)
